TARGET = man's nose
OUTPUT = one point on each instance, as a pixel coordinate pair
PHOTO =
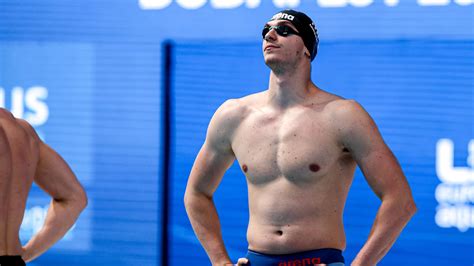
(271, 35)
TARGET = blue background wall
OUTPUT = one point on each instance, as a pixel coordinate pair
(88, 76)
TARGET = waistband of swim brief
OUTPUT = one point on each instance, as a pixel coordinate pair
(12, 261)
(310, 257)
(9, 258)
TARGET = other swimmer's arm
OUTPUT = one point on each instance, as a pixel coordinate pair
(54, 176)
(384, 175)
(214, 158)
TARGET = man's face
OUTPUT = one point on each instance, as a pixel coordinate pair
(282, 50)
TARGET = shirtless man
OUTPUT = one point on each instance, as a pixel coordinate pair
(298, 147)
(25, 159)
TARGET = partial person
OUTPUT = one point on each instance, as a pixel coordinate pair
(298, 147)
(25, 159)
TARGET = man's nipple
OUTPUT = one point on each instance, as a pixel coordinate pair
(314, 167)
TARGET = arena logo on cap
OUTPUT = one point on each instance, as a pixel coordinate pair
(282, 15)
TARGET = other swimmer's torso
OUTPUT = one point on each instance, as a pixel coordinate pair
(18, 160)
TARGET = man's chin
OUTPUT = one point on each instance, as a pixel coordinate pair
(272, 61)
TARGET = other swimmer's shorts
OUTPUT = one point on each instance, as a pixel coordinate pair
(11, 261)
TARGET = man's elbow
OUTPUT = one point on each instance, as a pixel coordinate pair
(410, 208)
(186, 199)
(189, 198)
(79, 199)
(192, 196)
(75, 201)
(83, 200)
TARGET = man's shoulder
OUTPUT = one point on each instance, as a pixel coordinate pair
(20, 128)
(239, 108)
(5, 114)
(341, 108)
(348, 117)
(8, 120)
(230, 115)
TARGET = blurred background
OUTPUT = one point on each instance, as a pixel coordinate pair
(124, 90)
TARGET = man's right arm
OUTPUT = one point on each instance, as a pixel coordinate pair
(54, 176)
(214, 158)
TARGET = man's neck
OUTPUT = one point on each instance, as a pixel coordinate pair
(289, 88)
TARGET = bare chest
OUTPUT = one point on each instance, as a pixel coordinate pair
(298, 146)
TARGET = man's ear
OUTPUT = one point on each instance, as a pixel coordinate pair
(306, 52)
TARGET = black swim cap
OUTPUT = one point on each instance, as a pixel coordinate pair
(305, 27)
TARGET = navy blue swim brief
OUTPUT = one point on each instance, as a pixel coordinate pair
(328, 256)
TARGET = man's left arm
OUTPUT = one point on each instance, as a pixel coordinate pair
(383, 174)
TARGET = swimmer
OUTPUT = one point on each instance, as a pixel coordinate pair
(298, 147)
(25, 159)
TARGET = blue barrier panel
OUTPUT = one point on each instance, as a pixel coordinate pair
(419, 93)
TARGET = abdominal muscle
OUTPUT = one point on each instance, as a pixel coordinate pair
(287, 218)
